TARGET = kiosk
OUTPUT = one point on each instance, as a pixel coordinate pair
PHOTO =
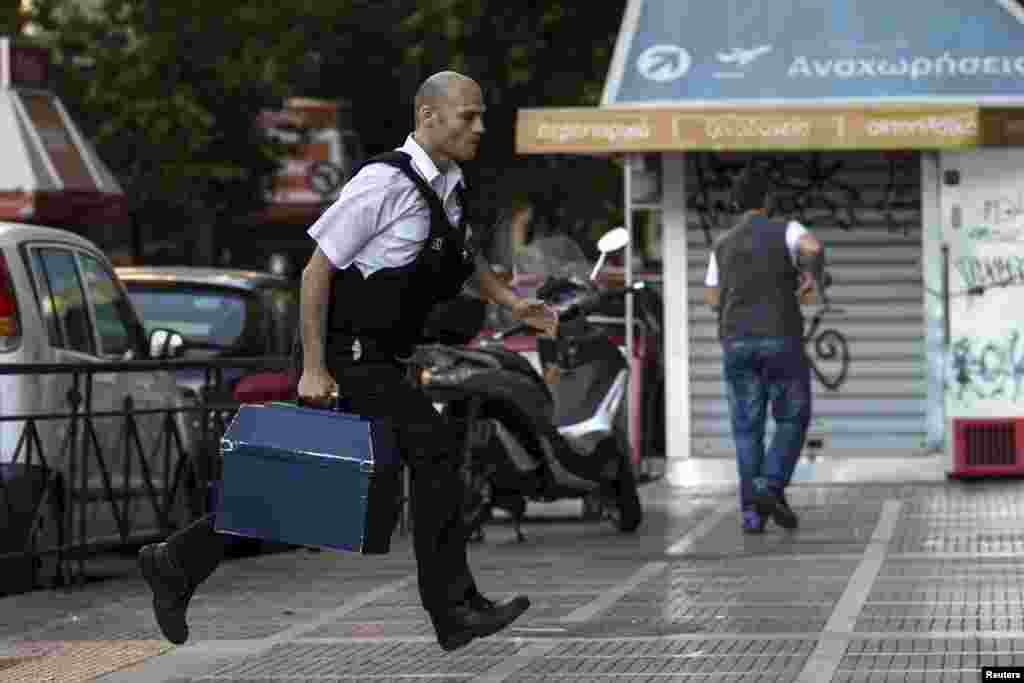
(892, 132)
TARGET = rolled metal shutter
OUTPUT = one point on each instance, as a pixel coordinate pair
(866, 209)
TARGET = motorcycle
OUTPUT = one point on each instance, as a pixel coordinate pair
(541, 434)
(642, 425)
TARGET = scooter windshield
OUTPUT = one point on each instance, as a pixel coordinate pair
(543, 259)
(557, 256)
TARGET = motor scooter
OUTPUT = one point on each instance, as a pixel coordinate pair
(540, 436)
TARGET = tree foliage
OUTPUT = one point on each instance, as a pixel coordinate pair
(169, 91)
(524, 54)
(534, 54)
(11, 17)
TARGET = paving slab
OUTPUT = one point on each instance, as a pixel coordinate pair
(881, 582)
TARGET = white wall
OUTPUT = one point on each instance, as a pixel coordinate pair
(983, 224)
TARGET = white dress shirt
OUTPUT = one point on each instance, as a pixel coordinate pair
(380, 219)
(794, 231)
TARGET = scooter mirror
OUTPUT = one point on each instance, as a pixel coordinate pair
(613, 240)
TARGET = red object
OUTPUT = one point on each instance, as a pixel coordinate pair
(30, 66)
(260, 387)
(8, 302)
(988, 446)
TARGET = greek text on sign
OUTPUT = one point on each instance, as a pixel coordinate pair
(898, 127)
(915, 68)
(590, 132)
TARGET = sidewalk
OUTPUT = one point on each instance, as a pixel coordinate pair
(883, 582)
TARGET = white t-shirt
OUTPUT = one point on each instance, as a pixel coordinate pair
(794, 231)
(380, 219)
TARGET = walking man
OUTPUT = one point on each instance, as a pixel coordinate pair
(757, 275)
(394, 244)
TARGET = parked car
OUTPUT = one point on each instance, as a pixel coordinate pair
(220, 314)
(61, 302)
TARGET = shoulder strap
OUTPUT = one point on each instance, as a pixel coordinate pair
(403, 162)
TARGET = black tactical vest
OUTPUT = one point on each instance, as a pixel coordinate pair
(758, 281)
(382, 316)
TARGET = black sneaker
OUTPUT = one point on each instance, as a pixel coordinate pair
(171, 591)
(778, 509)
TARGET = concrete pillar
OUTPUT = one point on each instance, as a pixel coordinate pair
(677, 309)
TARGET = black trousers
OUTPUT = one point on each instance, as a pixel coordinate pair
(430, 450)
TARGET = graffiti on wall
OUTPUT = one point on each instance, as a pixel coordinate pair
(988, 369)
(990, 271)
(986, 354)
(809, 188)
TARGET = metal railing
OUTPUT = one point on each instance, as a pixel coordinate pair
(97, 491)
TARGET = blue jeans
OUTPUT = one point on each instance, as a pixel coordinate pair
(759, 370)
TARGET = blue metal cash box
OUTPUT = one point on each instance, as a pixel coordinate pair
(310, 477)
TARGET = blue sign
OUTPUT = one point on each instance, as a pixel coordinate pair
(819, 51)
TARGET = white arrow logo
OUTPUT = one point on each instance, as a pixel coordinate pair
(663, 63)
(743, 57)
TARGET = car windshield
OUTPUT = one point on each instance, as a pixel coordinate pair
(203, 316)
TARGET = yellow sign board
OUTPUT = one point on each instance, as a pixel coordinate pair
(595, 130)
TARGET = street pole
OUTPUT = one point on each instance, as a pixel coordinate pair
(628, 189)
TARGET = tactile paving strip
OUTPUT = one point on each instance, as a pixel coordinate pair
(8, 662)
(929, 624)
(329, 679)
(365, 661)
(79, 661)
(825, 530)
(958, 571)
(962, 594)
(758, 677)
(690, 612)
(726, 660)
(925, 659)
(609, 626)
(754, 571)
(956, 540)
(991, 500)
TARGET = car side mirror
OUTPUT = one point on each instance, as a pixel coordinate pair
(164, 344)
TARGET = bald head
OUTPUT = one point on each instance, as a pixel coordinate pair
(449, 109)
(436, 89)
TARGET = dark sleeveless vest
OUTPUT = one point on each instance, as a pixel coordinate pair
(382, 316)
(758, 281)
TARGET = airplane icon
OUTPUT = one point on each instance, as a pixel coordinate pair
(743, 57)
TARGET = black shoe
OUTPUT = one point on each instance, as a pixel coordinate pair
(776, 506)
(461, 624)
(518, 604)
(171, 591)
